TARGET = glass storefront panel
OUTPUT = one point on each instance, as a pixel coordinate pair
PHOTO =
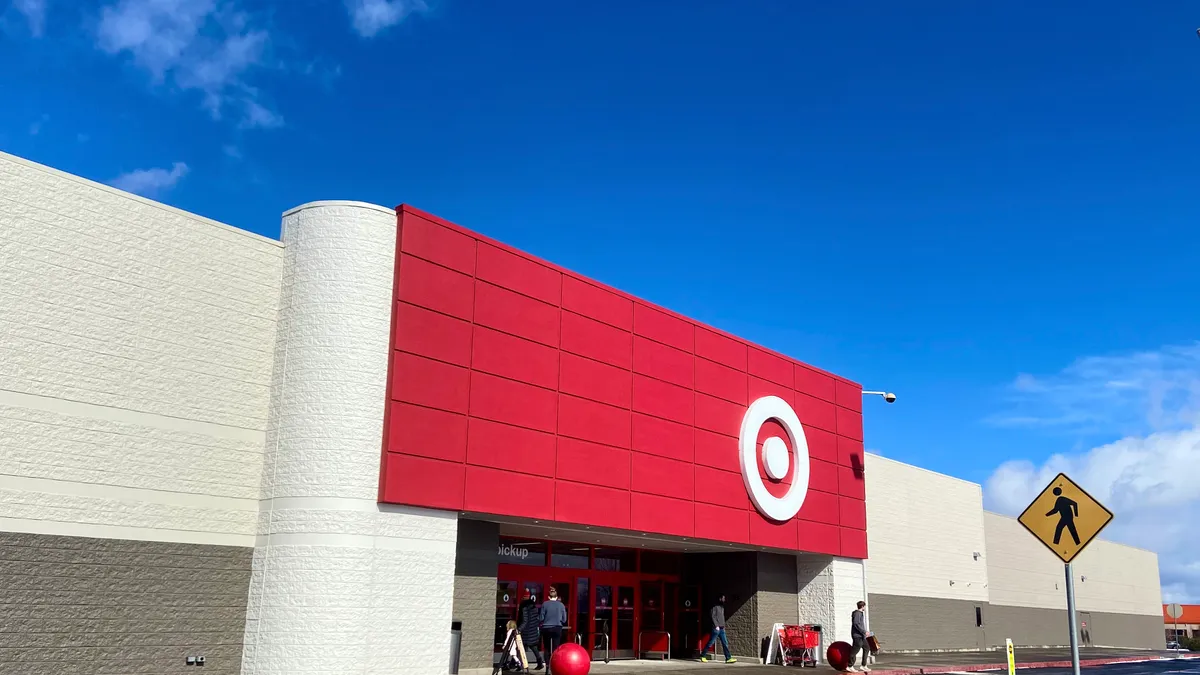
(616, 560)
(570, 556)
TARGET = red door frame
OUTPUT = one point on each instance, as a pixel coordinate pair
(545, 576)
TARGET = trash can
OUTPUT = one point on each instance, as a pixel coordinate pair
(455, 645)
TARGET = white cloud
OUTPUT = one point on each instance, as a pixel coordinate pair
(35, 14)
(1144, 477)
(150, 182)
(372, 16)
(1122, 394)
(195, 45)
(231, 151)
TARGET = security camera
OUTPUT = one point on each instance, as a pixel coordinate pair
(889, 397)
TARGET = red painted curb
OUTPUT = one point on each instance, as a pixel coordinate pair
(974, 667)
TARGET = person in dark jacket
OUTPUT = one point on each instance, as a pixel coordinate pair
(553, 615)
(858, 634)
(530, 626)
(718, 632)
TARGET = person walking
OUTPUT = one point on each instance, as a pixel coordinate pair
(530, 624)
(1067, 511)
(552, 616)
(718, 631)
(858, 635)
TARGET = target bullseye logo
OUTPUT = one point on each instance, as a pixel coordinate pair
(775, 460)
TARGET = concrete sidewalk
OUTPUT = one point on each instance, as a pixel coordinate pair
(906, 664)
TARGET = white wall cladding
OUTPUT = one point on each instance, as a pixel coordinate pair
(1109, 577)
(830, 588)
(135, 380)
(923, 529)
(340, 583)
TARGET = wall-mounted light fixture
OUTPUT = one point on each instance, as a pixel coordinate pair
(975, 555)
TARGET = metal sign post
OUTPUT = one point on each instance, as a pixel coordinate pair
(1175, 610)
(1072, 620)
(1066, 519)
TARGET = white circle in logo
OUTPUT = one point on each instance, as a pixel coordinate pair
(774, 457)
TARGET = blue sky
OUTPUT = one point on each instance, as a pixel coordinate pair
(987, 209)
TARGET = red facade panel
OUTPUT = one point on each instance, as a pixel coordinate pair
(849, 423)
(592, 301)
(597, 381)
(819, 537)
(721, 381)
(511, 271)
(429, 383)
(596, 422)
(592, 463)
(658, 475)
(771, 367)
(423, 238)
(716, 347)
(722, 523)
(591, 505)
(434, 335)
(717, 450)
(821, 507)
(822, 444)
(650, 513)
(512, 376)
(662, 327)
(426, 432)
(848, 395)
(853, 513)
(514, 358)
(663, 362)
(817, 385)
(516, 314)
(596, 340)
(854, 543)
(492, 491)
(660, 399)
(502, 446)
(511, 402)
(661, 437)
(427, 285)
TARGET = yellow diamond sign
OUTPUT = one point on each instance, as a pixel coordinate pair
(1065, 518)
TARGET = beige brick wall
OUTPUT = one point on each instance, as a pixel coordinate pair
(137, 344)
(923, 531)
(1109, 577)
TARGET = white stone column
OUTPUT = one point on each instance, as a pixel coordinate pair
(340, 584)
(830, 588)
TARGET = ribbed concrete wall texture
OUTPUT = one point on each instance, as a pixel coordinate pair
(191, 426)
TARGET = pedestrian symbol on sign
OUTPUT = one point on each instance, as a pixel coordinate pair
(1067, 511)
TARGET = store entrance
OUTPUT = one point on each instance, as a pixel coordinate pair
(621, 603)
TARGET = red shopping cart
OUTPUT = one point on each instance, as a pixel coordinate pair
(798, 645)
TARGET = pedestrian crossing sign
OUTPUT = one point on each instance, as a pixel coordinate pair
(1065, 518)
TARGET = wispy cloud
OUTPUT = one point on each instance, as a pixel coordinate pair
(1139, 392)
(1144, 475)
(370, 17)
(150, 182)
(36, 127)
(195, 45)
(35, 14)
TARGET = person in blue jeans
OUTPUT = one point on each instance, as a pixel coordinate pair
(718, 631)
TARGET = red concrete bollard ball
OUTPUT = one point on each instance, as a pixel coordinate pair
(838, 655)
(570, 659)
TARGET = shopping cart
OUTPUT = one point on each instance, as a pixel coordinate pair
(798, 645)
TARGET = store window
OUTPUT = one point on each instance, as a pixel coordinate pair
(659, 562)
(522, 552)
(570, 556)
(616, 560)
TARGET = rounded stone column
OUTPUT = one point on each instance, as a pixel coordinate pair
(340, 584)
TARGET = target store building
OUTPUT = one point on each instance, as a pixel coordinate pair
(355, 449)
